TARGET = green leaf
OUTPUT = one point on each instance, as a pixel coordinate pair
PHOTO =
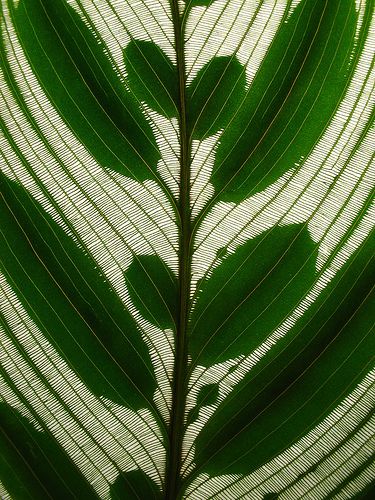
(33, 464)
(82, 84)
(152, 77)
(134, 485)
(327, 354)
(249, 294)
(213, 96)
(67, 298)
(187, 249)
(292, 99)
(153, 289)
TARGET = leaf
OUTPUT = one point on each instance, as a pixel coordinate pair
(249, 294)
(292, 99)
(78, 78)
(318, 354)
(157, 292)
(32, 462)
(52, 277)
(186, 251)
(155, 83)
(134, 484)
(213, 95)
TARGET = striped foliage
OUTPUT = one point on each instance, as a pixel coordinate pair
(186, 249)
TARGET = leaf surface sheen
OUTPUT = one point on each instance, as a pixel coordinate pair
(187, 249)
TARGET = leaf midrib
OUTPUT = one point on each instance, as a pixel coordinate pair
(176, 429)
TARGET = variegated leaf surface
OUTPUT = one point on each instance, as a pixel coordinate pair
(187, 249)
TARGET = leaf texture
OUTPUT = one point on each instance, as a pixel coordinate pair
(187, 249)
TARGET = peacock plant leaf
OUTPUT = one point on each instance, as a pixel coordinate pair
(187, 249)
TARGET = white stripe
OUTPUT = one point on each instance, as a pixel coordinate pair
(202, 163)
(166, 133)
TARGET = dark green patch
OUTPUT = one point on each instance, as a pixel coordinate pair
(65, 294)
(213, 96)
(291, 100)
(152, 77)
(85, 90)
(153, 289)
(367, 494)
(250, 293)
(33, 465)
(195, 3)
(301, 379)
(135, 485)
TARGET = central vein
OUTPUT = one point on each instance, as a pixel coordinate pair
(181, 353)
